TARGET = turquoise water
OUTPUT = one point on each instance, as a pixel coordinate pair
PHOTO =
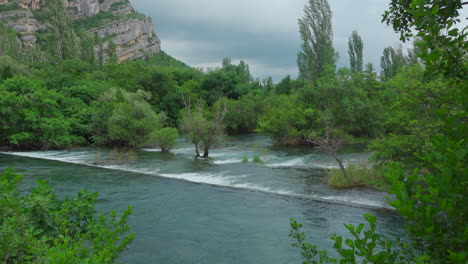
(216, 211)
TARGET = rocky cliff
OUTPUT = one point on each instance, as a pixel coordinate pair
(112, 20)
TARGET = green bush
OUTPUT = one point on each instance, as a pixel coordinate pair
(37, 227)
(123, 119)
(32, 116)
(364, 246)
(257, 159)
(433, 198)
(285, 120)
(165, 138)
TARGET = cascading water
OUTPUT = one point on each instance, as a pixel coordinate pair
(238, 212)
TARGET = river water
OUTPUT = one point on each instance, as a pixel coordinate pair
(221, 210)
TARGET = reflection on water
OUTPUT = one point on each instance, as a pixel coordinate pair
(236, 213)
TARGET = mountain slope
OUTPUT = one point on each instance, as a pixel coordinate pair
(121, 30)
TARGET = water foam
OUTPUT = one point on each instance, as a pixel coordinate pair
(227, 161)
(297, 162)
(215, 179)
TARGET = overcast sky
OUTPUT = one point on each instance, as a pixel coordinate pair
(264, 33)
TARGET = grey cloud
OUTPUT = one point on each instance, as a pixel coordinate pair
(264, 33)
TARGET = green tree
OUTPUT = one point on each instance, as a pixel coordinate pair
(10, 45)
(164, 138)
(31, 116)
(87, 47)
(123, 119)
(232, 82)
(61, 28)
(391, 62)
(203, 127)
(317, 52)
(371, 81)
(412, 108)
(10, 67)
(243, 114)
(443, 45)
(37, 227)
(285, 120)
(112, 52)
(226, 62)
(355, 51)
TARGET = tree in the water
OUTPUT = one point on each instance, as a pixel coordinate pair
(202, 126)
(330, 142)
(317, 54)
(355, 51)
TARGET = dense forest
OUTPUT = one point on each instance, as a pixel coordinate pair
(412, 114)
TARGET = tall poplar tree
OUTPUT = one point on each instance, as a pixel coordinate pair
(355, 51)
(317, 54)
(391, 62)
(61, 26)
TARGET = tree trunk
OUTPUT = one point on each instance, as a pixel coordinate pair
(196, 150)
(340, 163)
(206, 152)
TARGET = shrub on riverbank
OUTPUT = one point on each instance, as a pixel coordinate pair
(37, 227)
(361, 174)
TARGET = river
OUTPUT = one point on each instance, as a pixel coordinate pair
(217, 211)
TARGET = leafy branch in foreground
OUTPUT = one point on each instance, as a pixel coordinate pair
(37, 227)
(432, 201)
(365, 246)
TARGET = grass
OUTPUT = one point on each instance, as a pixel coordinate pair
(116, 157)
(359, 175)
(257, 159)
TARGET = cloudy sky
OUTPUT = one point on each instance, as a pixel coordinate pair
(264, 33)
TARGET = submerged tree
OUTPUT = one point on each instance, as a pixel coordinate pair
(317, 54)
(202, 127)
(355, 51)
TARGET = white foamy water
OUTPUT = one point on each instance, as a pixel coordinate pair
(227, 161)
(297, 162)
(251, 181)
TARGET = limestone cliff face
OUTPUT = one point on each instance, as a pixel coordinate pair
(132, 33)
(24, 22)
(83, 8)
(30, 4)
(134, 38)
